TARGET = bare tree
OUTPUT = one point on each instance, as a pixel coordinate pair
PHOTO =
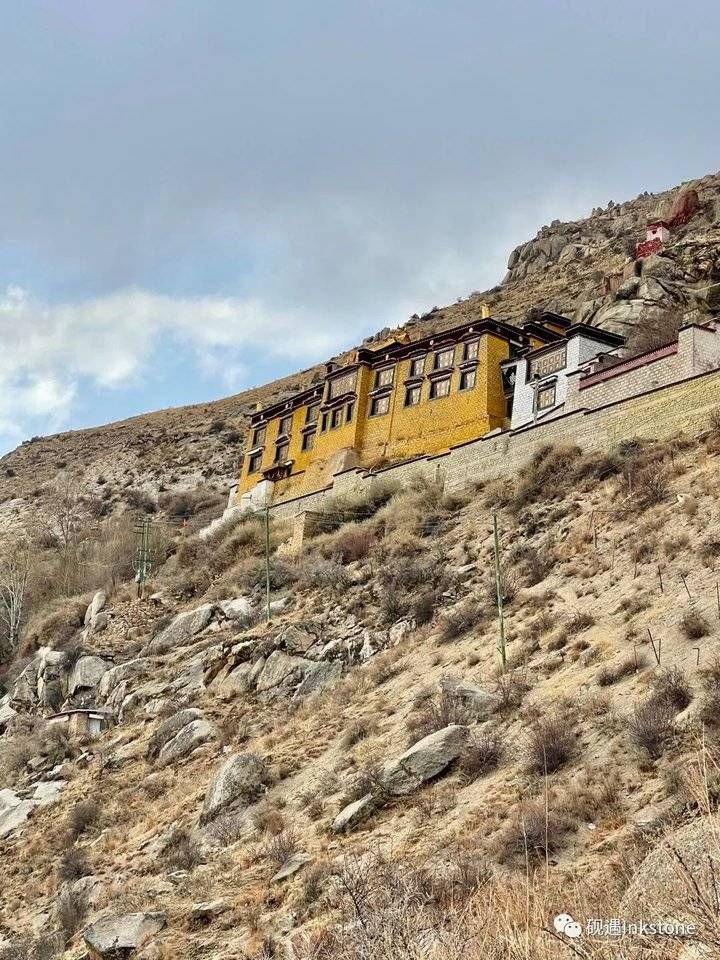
(14, 572)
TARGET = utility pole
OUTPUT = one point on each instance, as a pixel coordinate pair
(267, 561)
(499, 589)
(142, 563)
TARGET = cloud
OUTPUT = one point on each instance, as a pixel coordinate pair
(51, 351)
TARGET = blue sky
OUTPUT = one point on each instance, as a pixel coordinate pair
(197, 197)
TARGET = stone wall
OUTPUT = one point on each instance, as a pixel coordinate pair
(685, 407)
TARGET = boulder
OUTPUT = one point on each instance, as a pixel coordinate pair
(189, 738)
(292, 865)
(204, 913)
(687, 860)
(116, 675)
(240, 780)
(7, 715)
(13, 811)
(354, 813)
(240, 608)
(280, 670)
(47, 791)
(51, 678)
(24, 691)
(87, 673)
(317, 675)
(96, 605)
(111, 934)
(170, 727)
(183, 628)
(424, 760)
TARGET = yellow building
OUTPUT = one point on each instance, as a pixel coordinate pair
(395, 401)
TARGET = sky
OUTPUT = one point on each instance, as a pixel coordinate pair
(196, 197)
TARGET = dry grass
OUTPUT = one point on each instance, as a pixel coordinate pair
(551, 743)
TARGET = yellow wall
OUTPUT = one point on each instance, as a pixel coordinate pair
(431, 426)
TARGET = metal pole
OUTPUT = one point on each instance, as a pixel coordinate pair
(267, 561)
(498, 589)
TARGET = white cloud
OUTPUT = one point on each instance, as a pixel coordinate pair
(51, 352)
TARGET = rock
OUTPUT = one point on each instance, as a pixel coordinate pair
(317, 675)
(296, 640)
(203, 913)
(96, 605)
(239, 608)
(24, 692)
(654, 816)
(183, 628)
(479, 701)
(170, 727)
(398, 631)
(116, 675)
(291, 866)
(660, 886)
(47, 791)
(111, 934)
(51, 678)
(280, 669)
(354, 813)
(13, 811)
(7, 714)
(87, 674)
(188, 739)
(424, 760)
(236, 682)
(240, 780)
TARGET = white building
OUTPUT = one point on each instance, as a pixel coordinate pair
(539, 376)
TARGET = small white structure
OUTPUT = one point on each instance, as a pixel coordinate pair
(658, 230)
(540, 375)
(81, 722)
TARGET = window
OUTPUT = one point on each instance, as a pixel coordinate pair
(343, 384)
(308, 441)
(417, 367)
(444, 358)
(323, 425)
(468, 379)
(470, 350)
(349, 412)
(259, 436)
(281, 452)
(379, 406)
(312, 413)
(285, 425)
(384, 378)
(440, 388)
(412, 396)
(546, 397)
(255, 463)
(335, 418)
(546, 364)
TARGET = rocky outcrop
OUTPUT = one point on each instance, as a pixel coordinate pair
(239, 781)
(425, 760)
(170, 727)
(86, 675)
(13, 812)
(186, 740)
(113, 936)
(181, 631)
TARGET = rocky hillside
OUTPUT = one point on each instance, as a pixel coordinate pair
(361, 778)
(580, 269)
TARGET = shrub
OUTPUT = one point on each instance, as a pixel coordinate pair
(610, 673)
(435, 712)
(673, 688)
(182, 851)
(533, 833)
(459, 620)
(580, 621)
(482, 755)
(322, 574)
(280, 848)
(542, 477)
(189, 503)
(70, 909)
(73, 865)
(510, 690)
(350, 543)
(650, 486)
(140, 500)
(551, 743)
(650, 726)
(83, 816)
(694, 625)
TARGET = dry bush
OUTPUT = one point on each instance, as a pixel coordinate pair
(140, 500)
(694, 625)
(617, 670)
(268, 818)
(510, 690)
(511, 583)
(533, 833)
(337, 511)
(347, 544)
(56, 625)
(435, 712)
(400, 582)
(278, 849)
(70, 909)
(483, 754)
(533, 564)
(155, 786)
(181, 851)
(189, 503)
(551, 743)
(460, 620)
(322, 574)
(83, 815)
(672, 687)
(228, 828)
(73, 865)
(650, 486)
(579, 621)
(651, 726)
(356, 731)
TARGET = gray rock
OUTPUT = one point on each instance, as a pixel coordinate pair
(318, 675)
(240, 780)
(663, 883)
(96, 605)
(183, 628)
(236, 682)
(186, 740)
(424, 760)
(292, 865)
(130, 931)
(170, 727)
(24, 691)
(240, 608)
(121, 673)
(206, 912)
(87, 673)
(354, 813)
(280, 669)
(7, 715)
(13, 811)
(47, 791)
